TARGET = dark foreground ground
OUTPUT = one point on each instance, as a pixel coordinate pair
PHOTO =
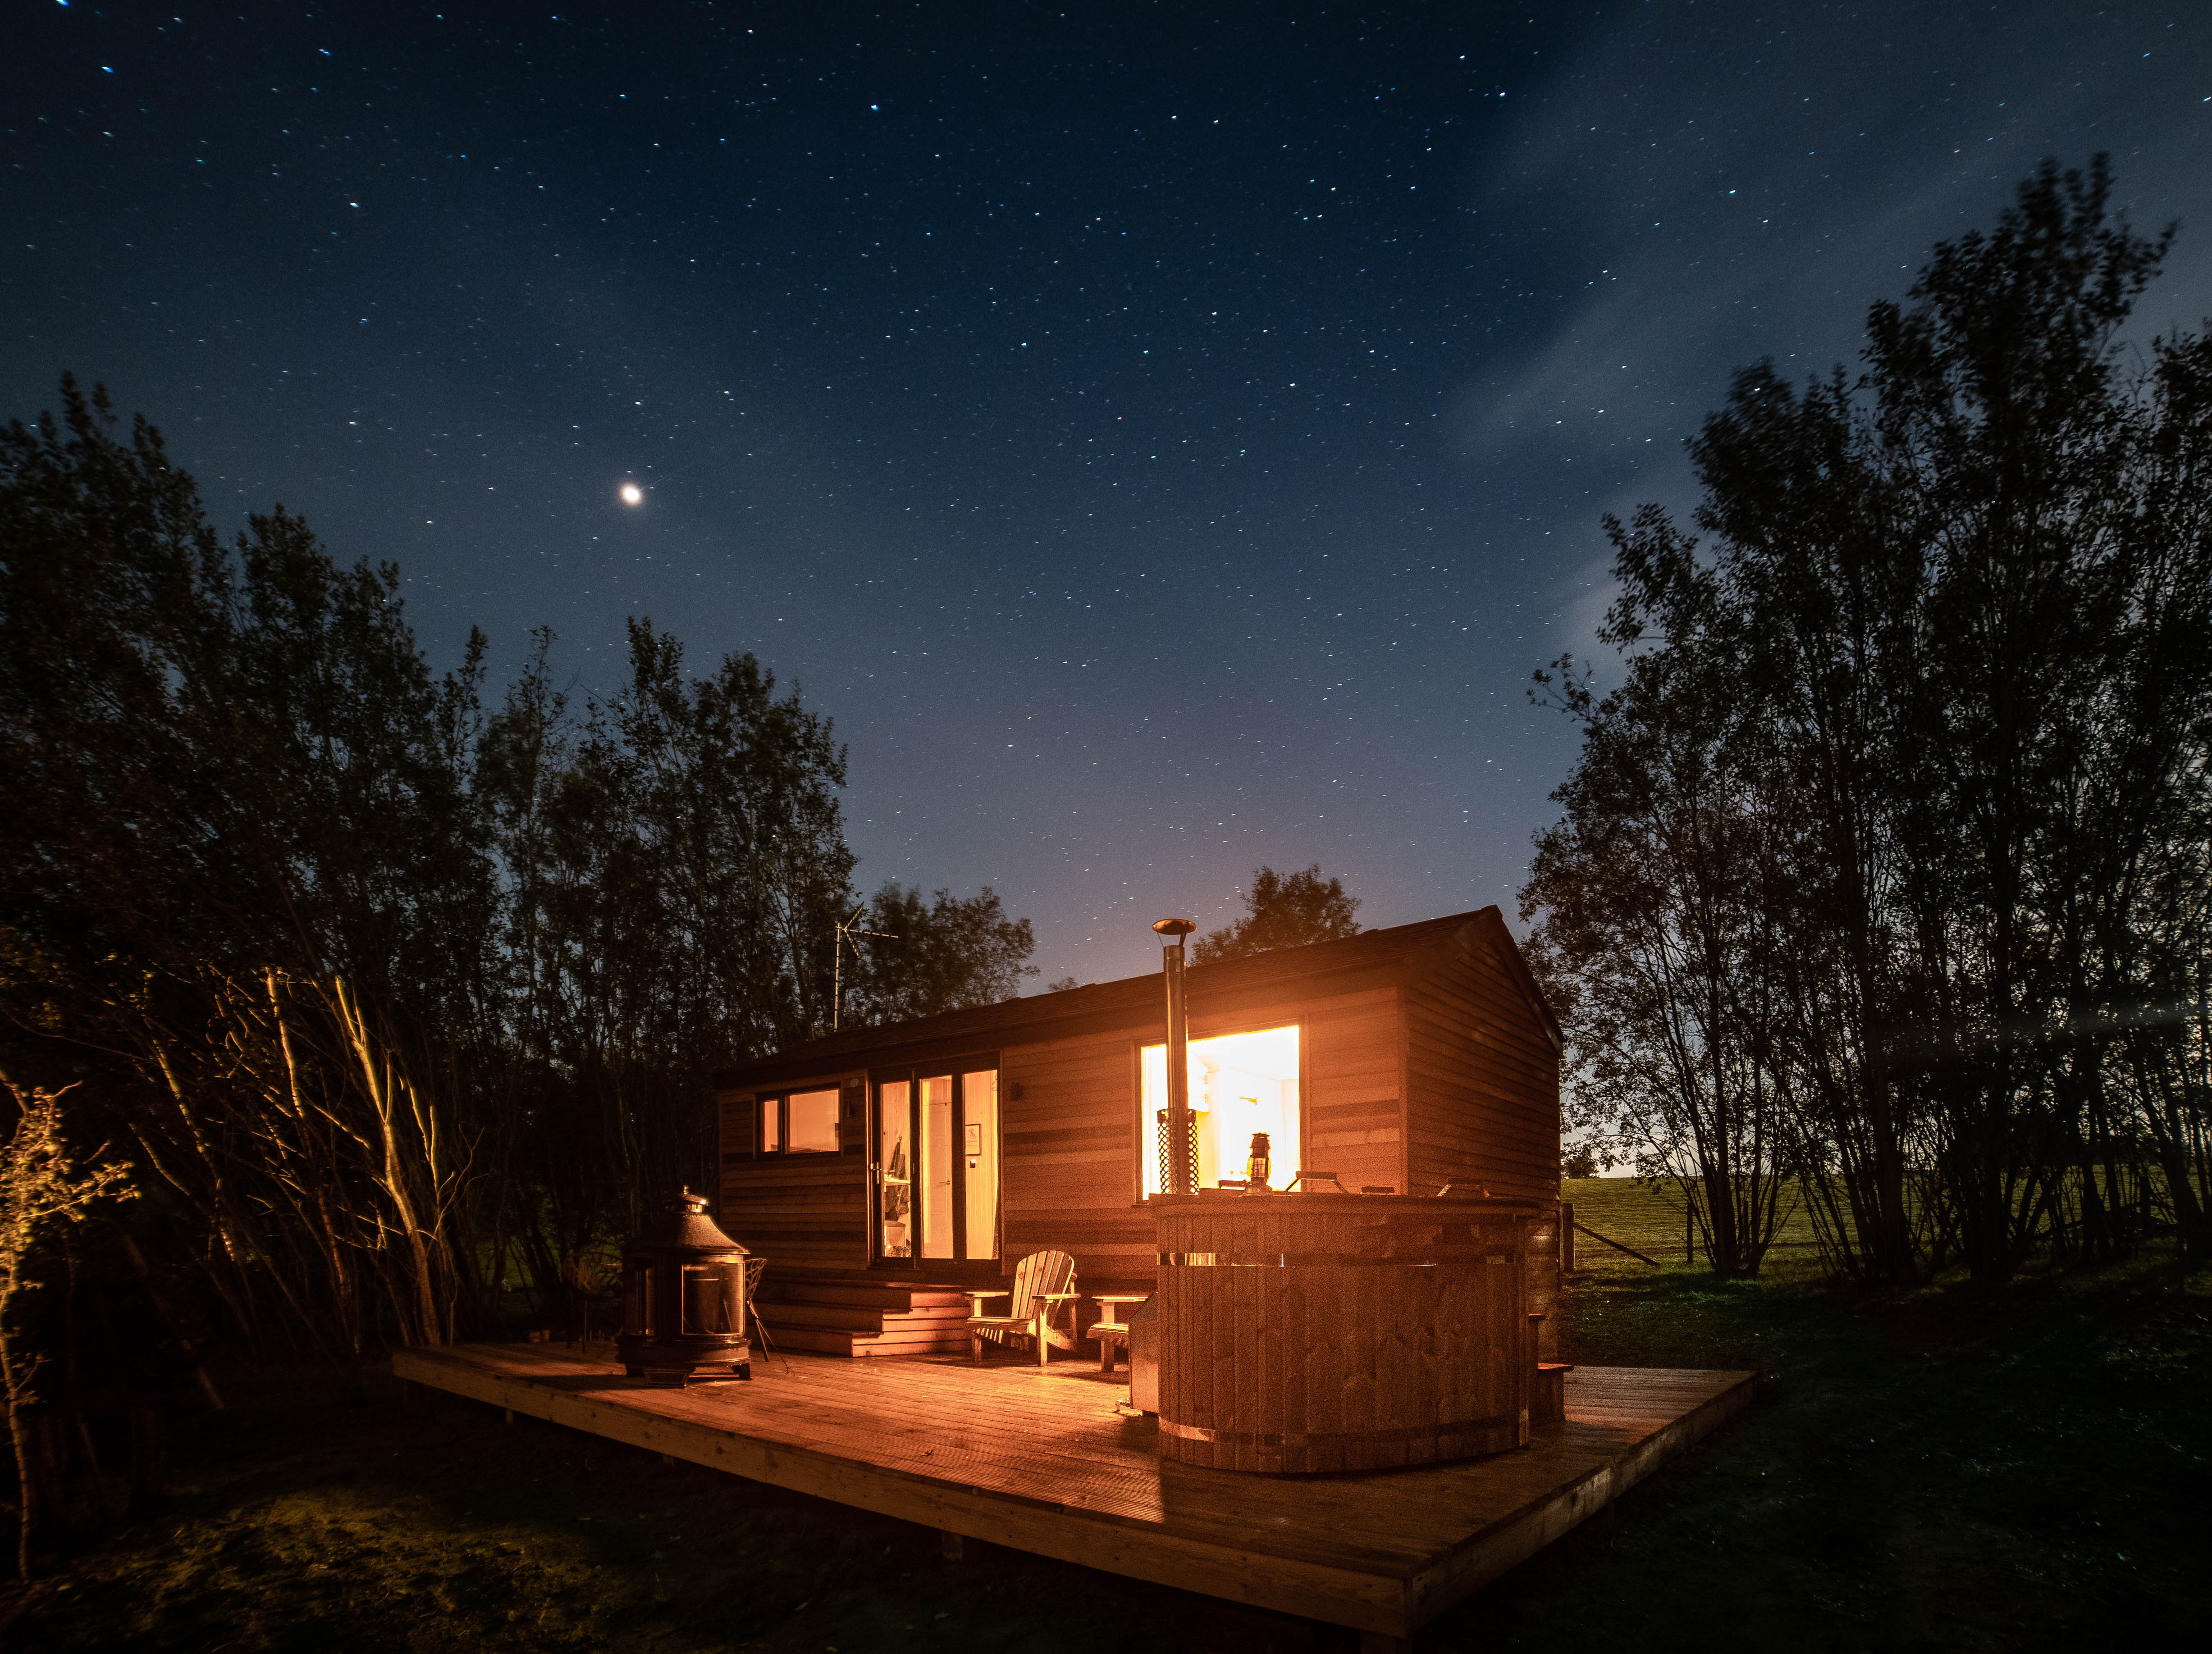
(1935, 1471)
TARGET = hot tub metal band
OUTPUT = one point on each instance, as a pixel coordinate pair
(1319, 1261)
(1335, 1437)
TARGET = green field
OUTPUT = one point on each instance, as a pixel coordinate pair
(1649, 1217)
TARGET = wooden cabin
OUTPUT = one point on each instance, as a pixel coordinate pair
(881, 1170)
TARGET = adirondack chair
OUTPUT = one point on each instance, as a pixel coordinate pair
(1043, 1282)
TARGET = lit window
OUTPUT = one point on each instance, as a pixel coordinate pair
(1240, 1084)
(813, 1117)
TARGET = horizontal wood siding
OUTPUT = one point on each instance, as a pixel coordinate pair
(1071, 1126)
(1068, 1124)
(1352, 1098)
(800, 1211)
(1483, 1110)
(1484, 1078)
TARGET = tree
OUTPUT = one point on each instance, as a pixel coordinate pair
(674, 866)
(944, 954)
(244, 889)
(1283, 912)
(39, 1186)
(1655, 923)
(1950, 645)
(393, 994)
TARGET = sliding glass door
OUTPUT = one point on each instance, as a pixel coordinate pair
(937, 1166)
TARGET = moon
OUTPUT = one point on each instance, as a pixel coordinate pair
(632, 495)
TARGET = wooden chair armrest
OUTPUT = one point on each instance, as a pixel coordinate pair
(1057, 1297)
(975, 1299)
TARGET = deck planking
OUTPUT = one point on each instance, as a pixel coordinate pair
(1040, 1460)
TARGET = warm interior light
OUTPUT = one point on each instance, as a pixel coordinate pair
(1240, 1083)
(813, 1123)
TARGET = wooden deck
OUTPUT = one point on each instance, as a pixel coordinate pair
(1040, 1460)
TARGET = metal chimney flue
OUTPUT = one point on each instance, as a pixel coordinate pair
(1178, 1156)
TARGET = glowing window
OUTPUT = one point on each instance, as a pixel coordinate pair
(1240, 1083)
(813, 1123)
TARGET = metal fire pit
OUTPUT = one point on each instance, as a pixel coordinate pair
(684, 1313)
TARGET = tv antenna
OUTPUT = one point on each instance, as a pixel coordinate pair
(848, 935)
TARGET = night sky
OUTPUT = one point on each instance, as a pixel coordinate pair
(1163, 441)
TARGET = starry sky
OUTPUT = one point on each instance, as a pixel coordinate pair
(1164, 439)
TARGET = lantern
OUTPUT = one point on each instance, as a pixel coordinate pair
(684, 1299)
(1258, 1165)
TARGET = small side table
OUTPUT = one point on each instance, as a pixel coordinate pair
(1112, 1331)
(1547, 1404)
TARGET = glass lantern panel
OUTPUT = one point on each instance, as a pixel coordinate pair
(714, 1300)
(637, 1300)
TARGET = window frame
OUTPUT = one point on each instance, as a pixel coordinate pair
(780, 1101)
(912, 1075)
(1229, 1030)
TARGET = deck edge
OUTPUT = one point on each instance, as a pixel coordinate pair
(1363, 1601)
(1512, 1540)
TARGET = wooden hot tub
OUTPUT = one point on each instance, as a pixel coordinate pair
(1341, 1332)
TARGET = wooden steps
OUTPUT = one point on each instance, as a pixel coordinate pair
(862, 1318)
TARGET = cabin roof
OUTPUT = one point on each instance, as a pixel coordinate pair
(1373, 958)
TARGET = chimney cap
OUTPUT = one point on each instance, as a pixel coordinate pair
(1177, 929)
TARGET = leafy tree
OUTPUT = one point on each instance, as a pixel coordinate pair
(1950, 650)
(243, 889)
(1283, 912)
(944, 954)
(1656, 931)
(395, 996)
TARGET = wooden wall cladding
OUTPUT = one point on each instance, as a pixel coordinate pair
(1068, 1126)
(1483, 1079)
(1352, 1095)
(1072, 1164)
(802, 1211)
(739, 1122)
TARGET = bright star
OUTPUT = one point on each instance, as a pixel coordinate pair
(632, 495)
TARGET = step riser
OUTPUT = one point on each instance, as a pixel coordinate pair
(860, 1318)
(839, 1318)
(846, 1344)
(862, 1297)
(831, 1317)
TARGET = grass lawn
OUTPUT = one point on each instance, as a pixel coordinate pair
(1934, 1469)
